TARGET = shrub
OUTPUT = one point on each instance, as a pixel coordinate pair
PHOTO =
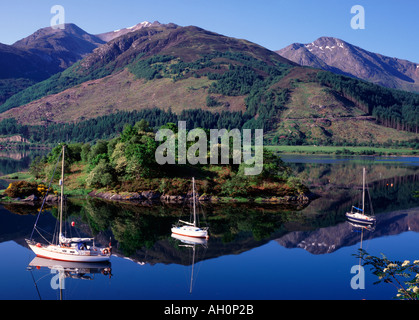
(23, 189)
(101, 175)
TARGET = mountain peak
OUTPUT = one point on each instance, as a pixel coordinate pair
(70, 29)
(338, 56)
(326, 44)
(60, 47)
(107, 36)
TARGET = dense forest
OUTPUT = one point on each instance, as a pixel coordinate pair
(392, 108)
(232, 74)
(111, 125)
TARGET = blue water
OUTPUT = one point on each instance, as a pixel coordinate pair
(267, 271)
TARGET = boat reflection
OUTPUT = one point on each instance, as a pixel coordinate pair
(193, 243)
(66, 269)
(190, 240)
(360, 227)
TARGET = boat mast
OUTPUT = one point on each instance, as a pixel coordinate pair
(62, 194)
(363, 190)
(193, 263)
(193, 195)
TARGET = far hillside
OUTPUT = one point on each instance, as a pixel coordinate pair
(163, 73)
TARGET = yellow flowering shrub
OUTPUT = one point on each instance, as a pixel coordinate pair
(23, 189)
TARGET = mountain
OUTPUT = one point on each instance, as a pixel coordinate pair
(176, 69)
(19, 69)
(18, 63)
(60, 47)
(41, 55)
(117, 64)
(340, 57)
(107, 36)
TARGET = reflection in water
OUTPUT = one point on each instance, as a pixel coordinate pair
(329, 239)
(61, 270)
(12, 161)
(142, 233)
(358, 282)
(192, 243)
(337, 181)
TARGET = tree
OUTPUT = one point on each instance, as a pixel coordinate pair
(97, 152)
(101, 176)
(141, 157)
(84, 153)
(37, 166)
(274, 167)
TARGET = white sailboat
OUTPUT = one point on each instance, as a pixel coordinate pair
(68, 249)
(190, 229)
(358, 215)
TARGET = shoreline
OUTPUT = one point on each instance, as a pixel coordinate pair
(150, 196)
(344, 150)
(147, 198)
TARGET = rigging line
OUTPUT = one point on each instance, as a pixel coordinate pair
(199, 263)
(37, 227)
(37, 230)
(369, 196)
(55, 236)
(41, 235)
(45, 197)
(36, 285)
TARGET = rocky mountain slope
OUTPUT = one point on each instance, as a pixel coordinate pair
(341, 57)
(61, 48)
(41, 55)
(184, 68)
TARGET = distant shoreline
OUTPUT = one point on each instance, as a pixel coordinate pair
(344, 150)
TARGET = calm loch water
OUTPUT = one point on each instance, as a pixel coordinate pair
(258, 252)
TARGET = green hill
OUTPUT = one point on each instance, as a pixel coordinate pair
(179, 70)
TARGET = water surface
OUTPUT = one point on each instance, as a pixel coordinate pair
(258, 252)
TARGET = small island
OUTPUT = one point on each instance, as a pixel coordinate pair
(125, 169)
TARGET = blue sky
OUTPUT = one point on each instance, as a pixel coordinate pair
(391, 28)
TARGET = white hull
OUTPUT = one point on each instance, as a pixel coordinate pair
(190, 231)
(56, 252)
(360, 218)
(190, 240)
(69, 265)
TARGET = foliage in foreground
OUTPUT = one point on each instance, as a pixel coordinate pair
(404, 276)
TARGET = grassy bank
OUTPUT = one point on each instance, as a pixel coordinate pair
(341, 150)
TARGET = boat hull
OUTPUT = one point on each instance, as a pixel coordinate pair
(189, 231)
(56, 253)
(360, 218)
(190, 240)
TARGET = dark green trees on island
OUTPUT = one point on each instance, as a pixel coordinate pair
(127, 163)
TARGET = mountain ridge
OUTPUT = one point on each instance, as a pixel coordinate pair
(40, 55)
(176, 68)
(110, 35)
(338, 56)
(60, 47)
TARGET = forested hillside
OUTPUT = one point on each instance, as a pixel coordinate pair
(169, 73)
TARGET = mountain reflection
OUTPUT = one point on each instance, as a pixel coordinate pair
(142, 232)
